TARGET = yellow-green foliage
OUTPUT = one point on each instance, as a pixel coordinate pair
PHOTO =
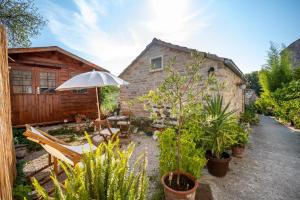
(103, 174)
(192, 159)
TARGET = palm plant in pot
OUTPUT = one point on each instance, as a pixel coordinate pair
(241, 138)
(219, 135)
(181, 162)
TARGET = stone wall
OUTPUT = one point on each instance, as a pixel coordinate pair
(142, 80)
(294, 50)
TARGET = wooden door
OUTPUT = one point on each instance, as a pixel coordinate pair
(33, 95)
(23, 95)
(47, 99)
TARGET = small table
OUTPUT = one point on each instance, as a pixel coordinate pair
(115, 119)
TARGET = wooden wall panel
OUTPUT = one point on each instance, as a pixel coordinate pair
(45, 108)
(7, 152)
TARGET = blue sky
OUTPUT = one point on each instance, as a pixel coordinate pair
(111, 33)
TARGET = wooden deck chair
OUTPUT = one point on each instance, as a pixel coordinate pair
(56, 148)
(106, 132)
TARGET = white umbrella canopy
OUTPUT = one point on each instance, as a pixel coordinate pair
(93, 79)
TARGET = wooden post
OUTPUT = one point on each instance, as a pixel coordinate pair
(98, 104)
(7, 150)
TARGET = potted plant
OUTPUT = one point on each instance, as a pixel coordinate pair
(219, 135)
(79, 118)
(181, 162)
(241, 138)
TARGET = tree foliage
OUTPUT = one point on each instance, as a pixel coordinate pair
(109, 98)
(281, 87)
(253, 81)
(22, 20)
(182, 92)
(278, 70)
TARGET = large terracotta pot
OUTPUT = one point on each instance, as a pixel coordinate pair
(173, 194)
(238, 150)
(218, 167)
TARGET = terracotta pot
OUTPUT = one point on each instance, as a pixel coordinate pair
(173, 194)
(218, 167)
(78, 120)
(238, 150)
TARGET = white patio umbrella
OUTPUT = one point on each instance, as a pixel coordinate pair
(93, 79)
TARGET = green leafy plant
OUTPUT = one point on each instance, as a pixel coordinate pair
(278, 71)
(253, 81)
(181, 93)
(249, 115)
(20, 191)
(241, 136)
(21, 186)
(109, 99)
(219, 135)
(103, 174)
(20, 139)
(192, 159)
(265, 104)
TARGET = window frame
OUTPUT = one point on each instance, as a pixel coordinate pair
(162, 63)
(12, 80)
(39, 82)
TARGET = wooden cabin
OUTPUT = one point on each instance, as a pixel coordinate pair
(34, 75)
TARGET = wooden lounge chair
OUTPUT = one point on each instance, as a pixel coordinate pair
(56, 148)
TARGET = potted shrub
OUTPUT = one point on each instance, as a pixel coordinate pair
(79, 118)
(192, 161)
(181, 162)
(219, 135)
(241, 138)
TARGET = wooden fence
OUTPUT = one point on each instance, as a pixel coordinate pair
(7, 152)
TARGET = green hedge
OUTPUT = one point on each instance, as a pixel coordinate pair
(284, 103)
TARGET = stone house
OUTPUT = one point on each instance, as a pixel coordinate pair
(294, 49)
(146, 72)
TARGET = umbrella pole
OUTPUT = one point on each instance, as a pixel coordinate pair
(98, 108)
(98, 105)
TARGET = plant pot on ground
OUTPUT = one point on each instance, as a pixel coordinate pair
(218, 166)
(238, 150)
(220, 131)
(241, 138)
(185, 190)
(79, 118)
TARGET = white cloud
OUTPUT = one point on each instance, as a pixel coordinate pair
(85, 29)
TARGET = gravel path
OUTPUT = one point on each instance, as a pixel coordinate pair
(269, 170)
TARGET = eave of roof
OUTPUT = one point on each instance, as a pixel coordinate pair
(54, 48)
(228, 62)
